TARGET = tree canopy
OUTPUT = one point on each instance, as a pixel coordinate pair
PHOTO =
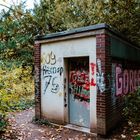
(58, 15)
(19, 26)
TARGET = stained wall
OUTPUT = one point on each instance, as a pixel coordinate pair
(54, 76)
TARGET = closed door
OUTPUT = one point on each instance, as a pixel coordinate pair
(79, 91)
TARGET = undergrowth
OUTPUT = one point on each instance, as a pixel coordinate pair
(131, 110)
(41, 121)
(16, 90)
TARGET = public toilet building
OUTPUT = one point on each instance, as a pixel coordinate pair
(82, 76)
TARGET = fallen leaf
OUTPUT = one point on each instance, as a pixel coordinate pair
(135, 131)
(123, 136)
(40, 130)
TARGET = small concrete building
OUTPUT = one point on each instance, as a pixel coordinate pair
(82, 76)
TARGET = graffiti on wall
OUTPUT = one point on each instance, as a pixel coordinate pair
(65, 94)
(93, 67)
(100, 77)
(51, 73)
(79, 84)
(127, 80)
(48, 58)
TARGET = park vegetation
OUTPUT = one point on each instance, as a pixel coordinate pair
(19, 26)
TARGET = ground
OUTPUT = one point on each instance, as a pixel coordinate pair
(23, 128)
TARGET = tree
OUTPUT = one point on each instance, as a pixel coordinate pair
(19, 26)
(59, 15)
(17, 30)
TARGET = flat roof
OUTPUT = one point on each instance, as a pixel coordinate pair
(82, 30)
(73, 31)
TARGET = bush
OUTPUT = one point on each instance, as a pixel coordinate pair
(132, 107)
(3, 122)
(16, 89)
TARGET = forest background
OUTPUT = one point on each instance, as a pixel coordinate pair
(19, 26)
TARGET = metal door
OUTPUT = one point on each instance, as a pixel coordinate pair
(79, 91)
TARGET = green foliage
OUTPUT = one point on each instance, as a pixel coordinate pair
(17, 30)
(19, 26)
(59, 15)
(16, 89)
(132, 107)
(24, 103)
(137, 137)
(15, 85)
(41, 121)
(3, 122)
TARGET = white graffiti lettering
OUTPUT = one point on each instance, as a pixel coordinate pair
(100, 77)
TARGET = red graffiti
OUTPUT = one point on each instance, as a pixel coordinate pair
(93, 82)
(86, 86)
(79, 84)
(92, 68)
(79, 78)
(79, 95)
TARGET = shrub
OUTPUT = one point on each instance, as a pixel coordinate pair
(3, 122)
(132, 107)
(16, 89)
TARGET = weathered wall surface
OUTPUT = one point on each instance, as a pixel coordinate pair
(103, 81)
(125, 80)
(37, 56)
(113, 72)
(122, 76)
(54, 76)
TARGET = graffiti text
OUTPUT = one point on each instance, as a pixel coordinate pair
(126, 80)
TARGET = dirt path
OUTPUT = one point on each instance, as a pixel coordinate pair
(24, 129)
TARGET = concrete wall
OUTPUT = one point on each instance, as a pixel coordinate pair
(54, 75)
